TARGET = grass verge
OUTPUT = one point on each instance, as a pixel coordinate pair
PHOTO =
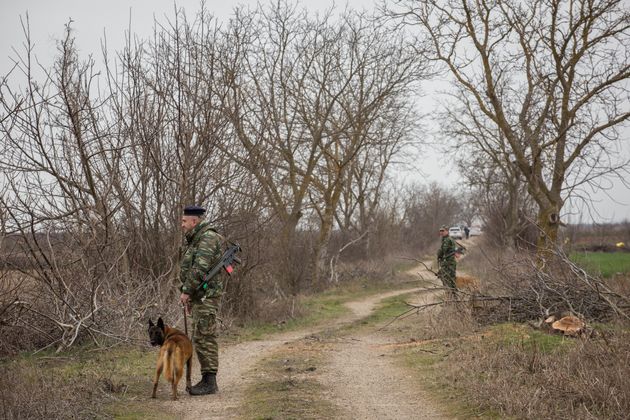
(605, 264)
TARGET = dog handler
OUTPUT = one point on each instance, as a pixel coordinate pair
(201, 252)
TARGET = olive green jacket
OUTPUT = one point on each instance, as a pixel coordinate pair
(447, 250)
(201, 252)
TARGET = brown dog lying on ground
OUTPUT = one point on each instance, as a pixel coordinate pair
(176, 349)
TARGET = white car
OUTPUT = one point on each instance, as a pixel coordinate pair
(456, 232)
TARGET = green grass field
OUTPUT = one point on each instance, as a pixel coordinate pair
(604, 263)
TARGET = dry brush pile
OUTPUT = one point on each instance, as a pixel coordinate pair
(515, 286)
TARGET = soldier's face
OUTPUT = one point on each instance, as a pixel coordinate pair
(189, 223)
(443, 233)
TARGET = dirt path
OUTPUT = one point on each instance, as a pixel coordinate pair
(364, 379)
(237, 361)
(361, 376)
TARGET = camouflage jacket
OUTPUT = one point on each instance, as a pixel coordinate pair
(447, 250)
(201, 252)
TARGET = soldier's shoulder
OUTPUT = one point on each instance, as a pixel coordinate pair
(210, 234)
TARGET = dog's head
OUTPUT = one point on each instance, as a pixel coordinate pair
(156, 332)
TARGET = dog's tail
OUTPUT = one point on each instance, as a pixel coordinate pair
(171, 370)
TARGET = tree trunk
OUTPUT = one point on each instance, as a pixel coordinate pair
(321, 247)
(548, 224)
(291, 258)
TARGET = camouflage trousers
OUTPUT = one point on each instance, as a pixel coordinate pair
(446, 273)
(204, 334)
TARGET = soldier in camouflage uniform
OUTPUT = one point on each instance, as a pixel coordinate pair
(446, 259)
(202, 252)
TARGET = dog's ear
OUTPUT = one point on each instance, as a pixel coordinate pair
(160, 323)
(150, 323)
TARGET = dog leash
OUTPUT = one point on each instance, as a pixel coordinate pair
(185, 320)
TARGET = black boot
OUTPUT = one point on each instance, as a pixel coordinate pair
(207, 385)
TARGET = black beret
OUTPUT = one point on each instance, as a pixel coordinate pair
(194, 211)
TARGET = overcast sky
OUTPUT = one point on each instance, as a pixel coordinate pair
(92, 20)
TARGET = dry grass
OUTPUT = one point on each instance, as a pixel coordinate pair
(27, 392)
(81, 384)
(536, 376)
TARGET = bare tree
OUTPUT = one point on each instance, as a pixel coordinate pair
(364, 196)
(167, 99)
(376, 72)
(551, 76)
(273, 117)
(307, 97)
(62, 198)
(264, 75)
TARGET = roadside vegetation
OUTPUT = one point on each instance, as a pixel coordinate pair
(81, 383)
(511, 370)
(515, 371)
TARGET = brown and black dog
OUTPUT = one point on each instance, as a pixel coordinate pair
(175, 350)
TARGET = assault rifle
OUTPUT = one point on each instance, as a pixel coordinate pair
(459, 249)
(227, 262)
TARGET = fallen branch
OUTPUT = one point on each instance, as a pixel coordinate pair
(429, 269)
